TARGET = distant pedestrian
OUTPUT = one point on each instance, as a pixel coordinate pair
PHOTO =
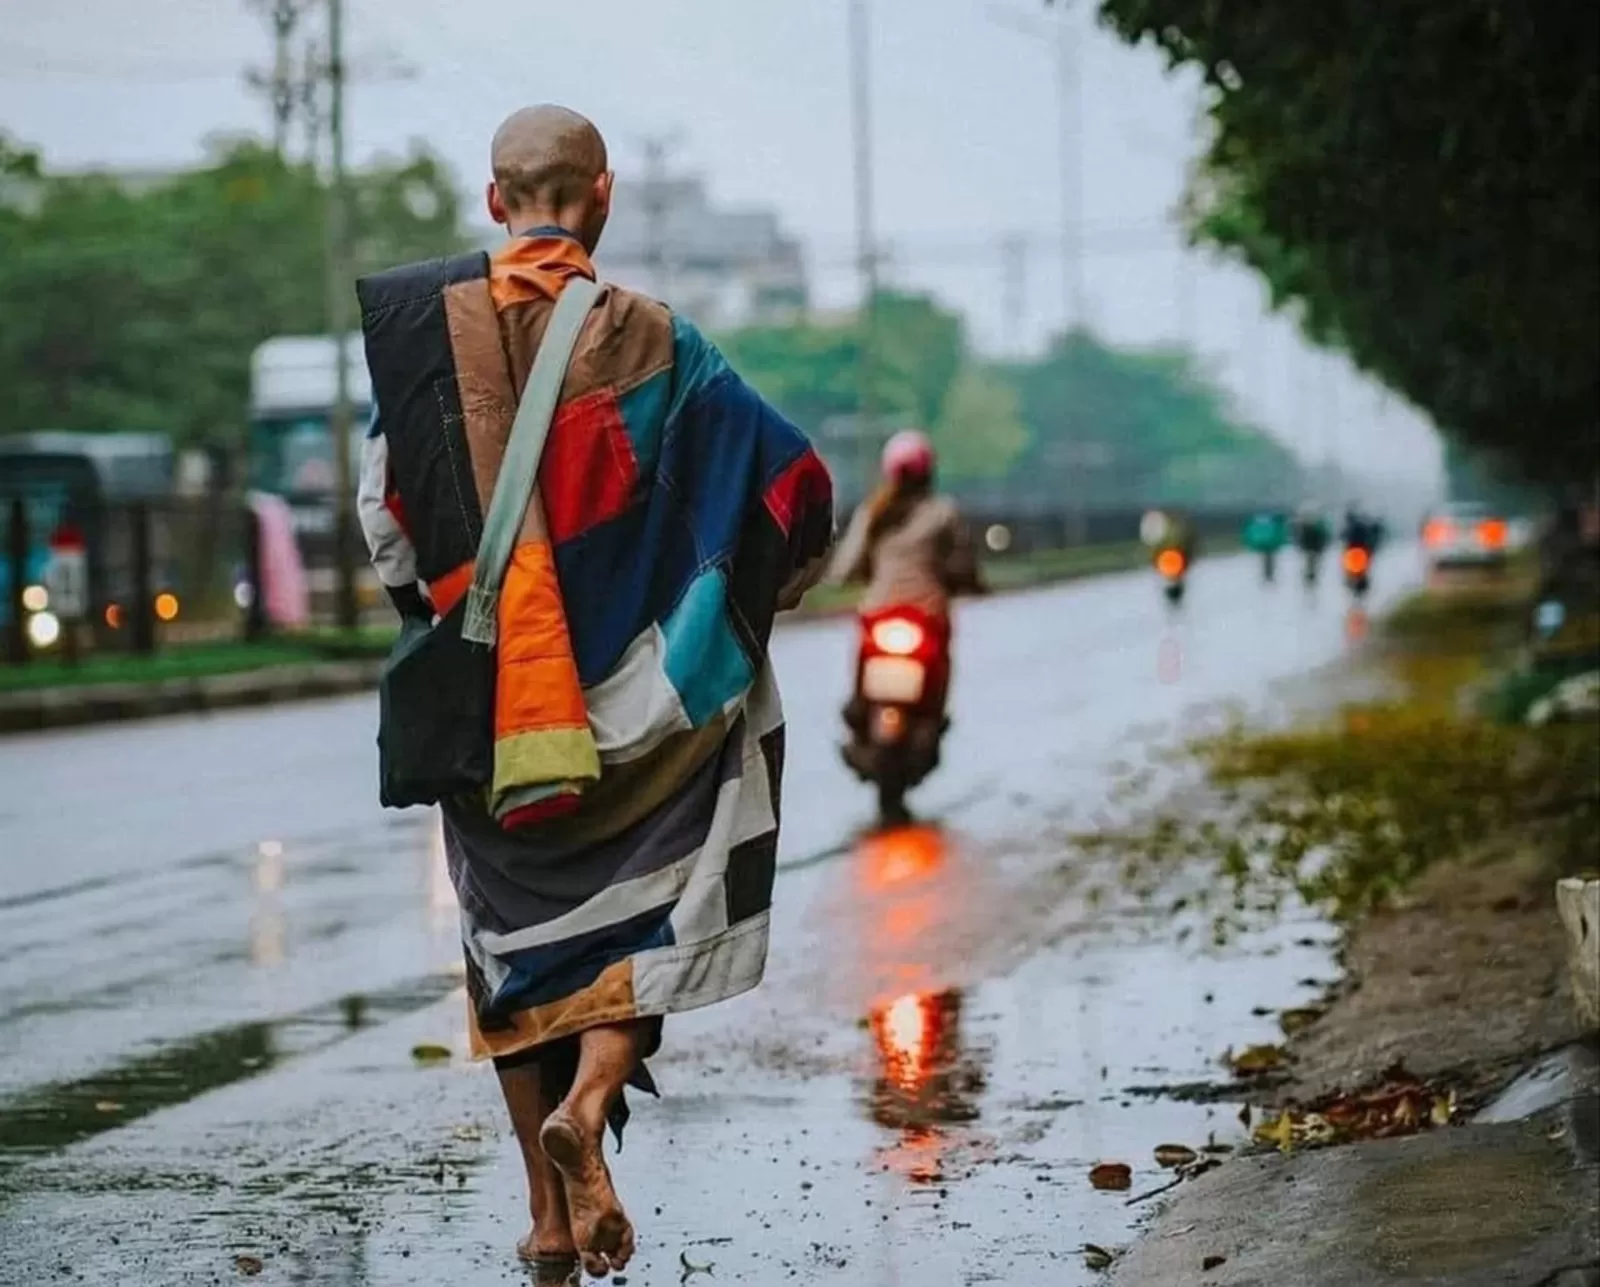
(615, 863)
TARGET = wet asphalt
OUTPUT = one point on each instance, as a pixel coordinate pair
(218, 955)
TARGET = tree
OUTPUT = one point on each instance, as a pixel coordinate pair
(810, 371)
(1418, 179)
(140, 309)
(980, 435)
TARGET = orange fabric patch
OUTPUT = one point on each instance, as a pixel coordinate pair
(537, 685)
(446, 592)
(530, 268)
(609, 999)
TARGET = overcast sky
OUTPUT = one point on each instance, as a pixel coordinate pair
(966, 148)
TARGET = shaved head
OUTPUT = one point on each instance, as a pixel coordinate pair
(549, 165)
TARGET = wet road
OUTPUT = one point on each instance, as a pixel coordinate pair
(217, 954)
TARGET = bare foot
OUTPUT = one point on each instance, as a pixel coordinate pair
(549, 1247)
(599, 1226)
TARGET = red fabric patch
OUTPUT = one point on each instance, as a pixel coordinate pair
(589, 472)
(391, 502)
(795, 487)
(557, 806)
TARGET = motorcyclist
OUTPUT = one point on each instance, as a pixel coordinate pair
(912, 549)
(1265, 535)
(907, 543)
(1312, 536)
(1360, 530)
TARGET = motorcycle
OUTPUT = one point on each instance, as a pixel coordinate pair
(1357, 569)
(1172, 565)
(897, 716)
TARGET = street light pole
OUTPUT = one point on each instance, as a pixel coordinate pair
(340, 274)
(1059, 32)
(1068, 85)
(866, 249)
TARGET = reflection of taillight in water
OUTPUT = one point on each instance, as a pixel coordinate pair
(1171, 563)
(1355, 626)
(1356, 560)
(921, 1081)
(896, 857)
(897, 637)
(904, 1031)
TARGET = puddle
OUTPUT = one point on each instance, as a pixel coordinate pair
(53, 1117)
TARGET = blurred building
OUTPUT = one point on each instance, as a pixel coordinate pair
(723, 268)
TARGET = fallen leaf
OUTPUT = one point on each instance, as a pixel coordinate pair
(249, 1266)
(1212, 1262)
(1277, 1131)
(1097, 1257)
(430, 1053)
(1444, 1108)
(1114, 1176)
(107, 1106)
(1174, 1155)
(470, 1134)
(1298, 1018)
(1252, 1061)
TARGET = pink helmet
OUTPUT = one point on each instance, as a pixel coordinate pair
(908, 454)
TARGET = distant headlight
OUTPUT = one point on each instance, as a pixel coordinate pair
(35, 598)
(44, 628)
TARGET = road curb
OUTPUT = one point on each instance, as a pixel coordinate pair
(44, 709)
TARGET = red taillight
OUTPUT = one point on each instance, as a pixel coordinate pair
(897, 637)
(1438, 532)
(1492, 532)
(1170, 563)
(1356, 560)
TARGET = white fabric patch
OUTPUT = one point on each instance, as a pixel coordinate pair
(635, 708)
(670, 979)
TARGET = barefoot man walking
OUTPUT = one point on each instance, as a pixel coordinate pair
(613, 839)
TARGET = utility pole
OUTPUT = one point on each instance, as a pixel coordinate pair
(1185, 290)
(1014, 278)
(866, 247)
(1068, 90)
(279, 85)
(1060, 36)
(340, 285)
(655, 204)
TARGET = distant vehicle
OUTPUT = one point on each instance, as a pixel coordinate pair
(1466, 535)
(83, 481)
(292, 385)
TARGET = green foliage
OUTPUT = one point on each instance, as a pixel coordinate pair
(1418, 179)
(1158, 430)
(140, 308)
(980, 433)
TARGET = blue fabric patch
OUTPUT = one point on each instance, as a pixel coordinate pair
(704, 661)
(551, 971)
(644, 415)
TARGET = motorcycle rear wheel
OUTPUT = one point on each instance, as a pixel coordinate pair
(892, 811)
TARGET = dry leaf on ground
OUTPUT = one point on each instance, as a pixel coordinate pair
(1252, 1061)
(1097, 1257)
(1111, 1176)
(430, 1053)
(1174, 1155)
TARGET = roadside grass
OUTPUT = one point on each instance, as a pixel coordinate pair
(1348, 811)
(195, 661)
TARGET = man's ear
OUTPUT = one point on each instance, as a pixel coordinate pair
(602, 192)
(496, 204)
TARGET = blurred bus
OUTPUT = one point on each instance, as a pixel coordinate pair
(90, 482)
(292, 387)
